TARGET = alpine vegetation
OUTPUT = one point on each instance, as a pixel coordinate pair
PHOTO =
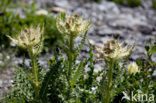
(133, 68)
(31, 39)
(70, 77)
(112, 52)
(72, 25)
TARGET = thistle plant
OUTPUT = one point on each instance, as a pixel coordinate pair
(70, 79)
(111, 52)
(31, 39)
(71, 26)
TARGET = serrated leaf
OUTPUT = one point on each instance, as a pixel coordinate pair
(50, 77)
(78, 49)
(76, 76)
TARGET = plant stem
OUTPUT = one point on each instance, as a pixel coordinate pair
(35, 74)
(71, 46)
(109, 85)
(70, 59)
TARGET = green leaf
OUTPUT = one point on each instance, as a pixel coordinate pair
(153, 49)
(78, 101)
(89, 80)
(76, 76)
(147, 48)
(78, 49)
(51, 76)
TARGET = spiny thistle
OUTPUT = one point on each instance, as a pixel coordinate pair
(72, 25)
(30, 38)
(133, 68)
(112, 49)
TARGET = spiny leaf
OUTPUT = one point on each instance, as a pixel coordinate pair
(89, 81)
(80, 46)
(50, 77)
(76, 76)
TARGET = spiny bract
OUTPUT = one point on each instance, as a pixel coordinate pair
(30, 38)
(72, 25)
(112, 49)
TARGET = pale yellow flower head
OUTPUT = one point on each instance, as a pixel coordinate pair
(112, 49)
(29, 38)
(133, 68)
(72, 25)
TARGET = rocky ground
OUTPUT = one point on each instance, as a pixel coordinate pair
(108, 20)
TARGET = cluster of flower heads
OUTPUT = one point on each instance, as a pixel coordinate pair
(30, 38)
(72, 25)
(112, 49)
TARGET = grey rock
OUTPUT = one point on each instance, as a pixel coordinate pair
(105, 32)
(154, 74)
(97, 68)
(127, 21)
(1, 84)
(145, 29)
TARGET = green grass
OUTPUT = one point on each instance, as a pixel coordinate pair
(119, 1)
(154, 4)
(131, 3)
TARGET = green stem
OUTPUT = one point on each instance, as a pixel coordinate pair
(71, 46)
(70, 59)
(109, 85)
(35, 74)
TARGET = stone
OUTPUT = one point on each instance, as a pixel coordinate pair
(104, 32)
(42, 12)
(58, 10)
(1, 84)
(145, 29)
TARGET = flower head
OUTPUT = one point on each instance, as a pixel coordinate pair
(72, 25)
(133, 68)
(30, 38)
(112, 49)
